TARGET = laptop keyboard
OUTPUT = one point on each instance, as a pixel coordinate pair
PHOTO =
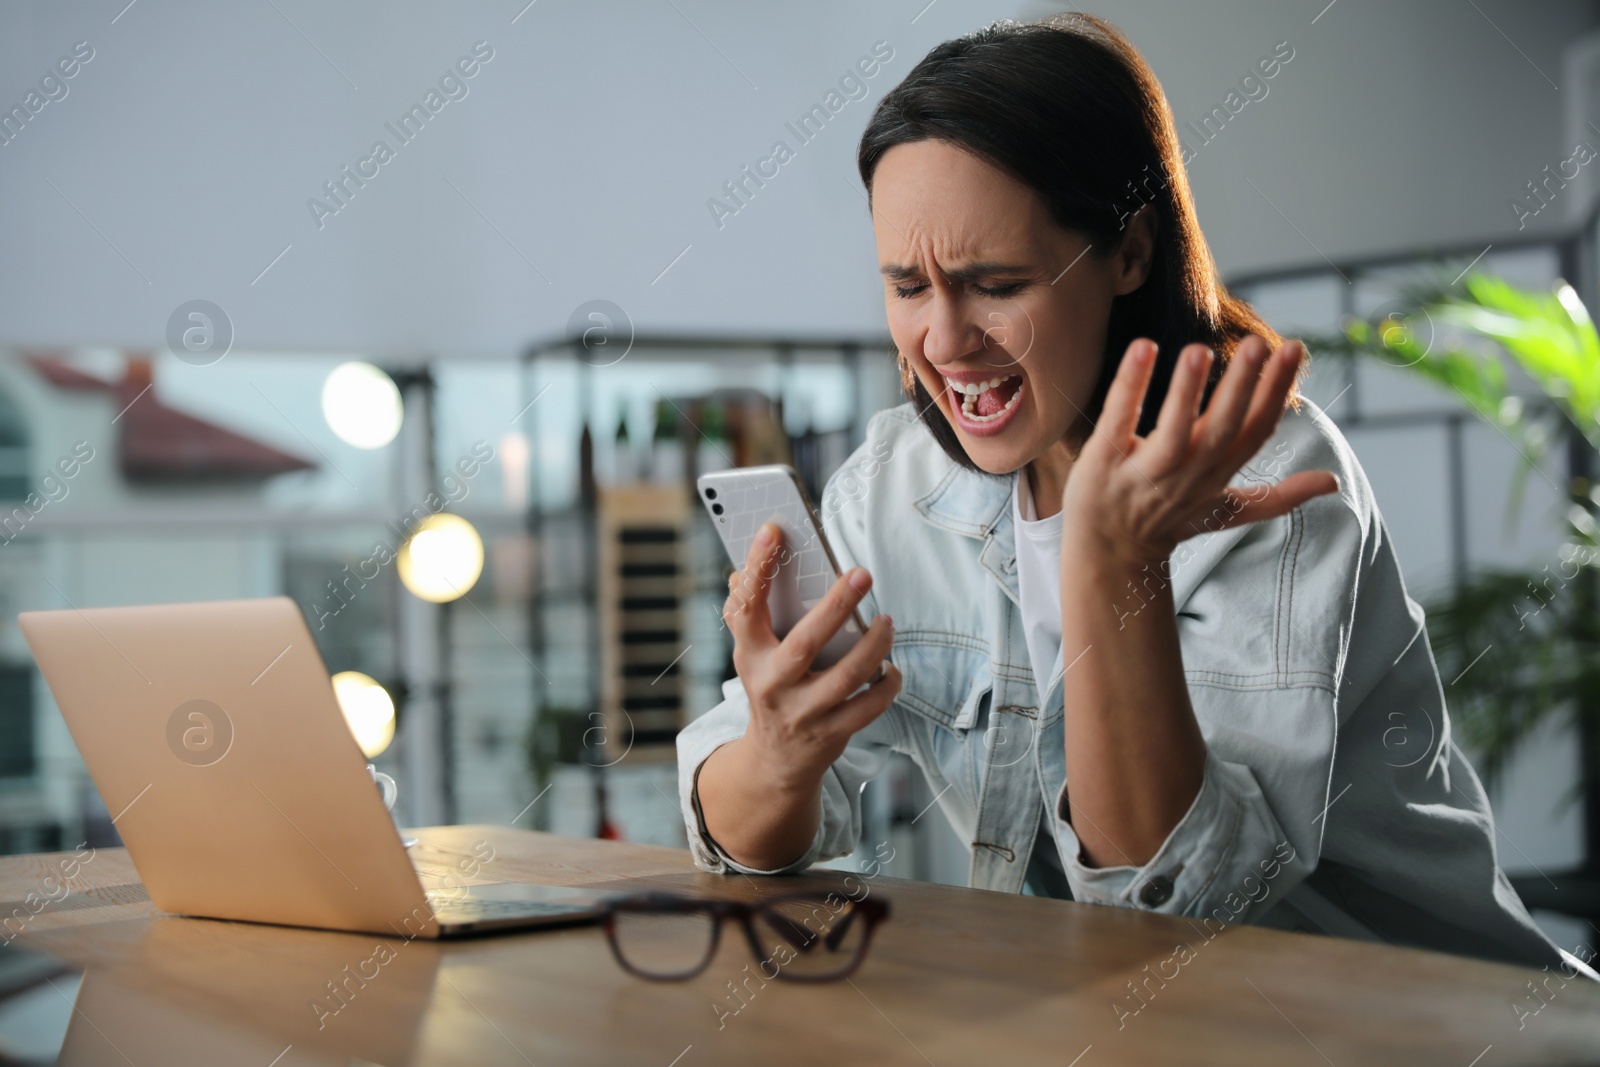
(474, 910)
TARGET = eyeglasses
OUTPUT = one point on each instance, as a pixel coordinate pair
(800, 937)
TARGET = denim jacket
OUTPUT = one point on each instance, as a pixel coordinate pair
(1334, 799)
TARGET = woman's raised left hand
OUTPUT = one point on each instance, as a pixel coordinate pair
(1137, 498)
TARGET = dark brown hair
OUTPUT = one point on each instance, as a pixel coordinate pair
(1069, 108)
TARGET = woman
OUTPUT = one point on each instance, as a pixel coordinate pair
(1145, 632)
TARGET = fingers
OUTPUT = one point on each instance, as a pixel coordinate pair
(745, 611)
(1119, 418)
(817, 627)
(1168, 444)
(1267, 400)
(859, 711)
(1271, 501)
(858, 666)
(1230, 401)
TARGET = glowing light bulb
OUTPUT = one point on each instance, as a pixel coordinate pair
(368, 710)
(442, 558)
(362, 405)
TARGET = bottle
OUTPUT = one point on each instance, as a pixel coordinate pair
(623, 467)
(586, 479)
(667, 465)
(712, 451)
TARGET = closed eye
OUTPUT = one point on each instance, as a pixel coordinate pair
(1000, 290)
(993, 291)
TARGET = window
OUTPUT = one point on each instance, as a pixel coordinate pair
(16, 721)
(13, 451)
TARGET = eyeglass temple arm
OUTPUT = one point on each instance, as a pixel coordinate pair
(799, 939)
(836, 935)
(792, 933)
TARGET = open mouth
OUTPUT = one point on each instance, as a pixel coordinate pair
(988, 401)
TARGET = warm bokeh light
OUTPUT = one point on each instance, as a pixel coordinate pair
(442, 559)
(368, 710)
(362, 405)
(514, 453)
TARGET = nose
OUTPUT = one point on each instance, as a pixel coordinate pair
(951, 331)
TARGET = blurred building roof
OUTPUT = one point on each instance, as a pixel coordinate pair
(159, 443)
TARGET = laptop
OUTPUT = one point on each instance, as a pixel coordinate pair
(213, 734)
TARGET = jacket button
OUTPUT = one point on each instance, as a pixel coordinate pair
(1156, 892)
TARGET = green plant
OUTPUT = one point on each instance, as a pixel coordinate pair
(1515, 647)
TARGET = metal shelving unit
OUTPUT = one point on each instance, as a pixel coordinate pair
(565, 611)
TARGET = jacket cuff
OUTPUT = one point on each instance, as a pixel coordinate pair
(1181, 870)
(708, 855)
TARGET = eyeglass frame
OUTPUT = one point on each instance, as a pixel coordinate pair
(873, 911)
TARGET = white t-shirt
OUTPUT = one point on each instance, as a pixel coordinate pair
(1038, 580)
(1038, 547)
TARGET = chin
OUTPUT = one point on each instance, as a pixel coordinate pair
(999, 453)
(994, 458)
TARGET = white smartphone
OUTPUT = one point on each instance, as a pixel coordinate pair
(739, 501)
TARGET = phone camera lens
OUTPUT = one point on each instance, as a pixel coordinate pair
(716, 509)
(711, 494)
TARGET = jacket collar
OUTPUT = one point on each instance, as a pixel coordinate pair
(978, 505)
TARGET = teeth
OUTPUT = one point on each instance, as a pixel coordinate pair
(976, 389)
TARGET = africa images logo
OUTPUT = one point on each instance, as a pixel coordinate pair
(199, 732)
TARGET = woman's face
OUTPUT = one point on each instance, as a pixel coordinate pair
(999, 312)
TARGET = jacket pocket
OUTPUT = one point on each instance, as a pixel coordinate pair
(945, 677)
(955, 752)
(978, 697)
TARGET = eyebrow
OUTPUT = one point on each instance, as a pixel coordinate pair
(896, 272)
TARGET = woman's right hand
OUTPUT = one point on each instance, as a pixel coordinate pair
(800, 720)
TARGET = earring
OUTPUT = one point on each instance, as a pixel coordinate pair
(908, 377)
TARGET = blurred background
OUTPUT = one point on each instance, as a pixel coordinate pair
(246, 351)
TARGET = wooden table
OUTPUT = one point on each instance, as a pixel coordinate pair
(956, 976)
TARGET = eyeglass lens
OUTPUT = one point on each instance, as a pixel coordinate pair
(810, 938)
(797, 939)
(664, 944)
